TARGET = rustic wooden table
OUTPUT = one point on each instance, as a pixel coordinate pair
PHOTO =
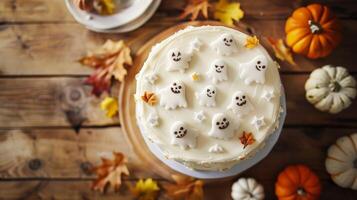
(42, 97)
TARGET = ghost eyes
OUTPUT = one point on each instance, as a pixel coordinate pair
(181, 128)
(222, 66)
(226, 40)
(263, 66)
(178, 54)
(224, 119)
(174, 84)
(258, 62)
(243, 97)
(208, 90)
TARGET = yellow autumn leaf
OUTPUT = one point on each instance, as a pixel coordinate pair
(145, 189)
(251, 42)
(281, 51)
(226, 12)
(110, 105)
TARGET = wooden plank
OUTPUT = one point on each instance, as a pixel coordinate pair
(24, 11)
(296, 145)
(65, 102)
(49, 102)
(62, 153)
(75, 189)
(40, 49)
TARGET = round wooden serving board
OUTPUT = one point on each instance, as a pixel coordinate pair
(127, 102)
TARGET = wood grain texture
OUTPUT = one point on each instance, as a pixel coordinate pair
(28, 102)
(41, 49)
(296, 145)
(65, 102)
(19, 11)
(62, 153)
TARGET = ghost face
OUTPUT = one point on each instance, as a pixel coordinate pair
(221, 127)
(210, 91)
(182, 136)
(180, 132)
(227, 39)
(176, 87)
(240, 99)
(222, 123)
(175, 55)
(218, 71)
(260, 66)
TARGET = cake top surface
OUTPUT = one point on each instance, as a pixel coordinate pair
(202, 94)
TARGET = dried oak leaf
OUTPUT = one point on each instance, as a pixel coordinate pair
(110, 172)
(194, 8)
(226, 12)
(150, 98)
(109, 61)
(251, 42)
(145, 189)
(184, 188)
(281, 51)
(247, 139)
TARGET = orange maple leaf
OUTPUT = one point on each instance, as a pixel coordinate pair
(194, 8)
(149, 97)
(186, 188)
(246, 139)
(109, 61)
(281, 51)
(109, 173)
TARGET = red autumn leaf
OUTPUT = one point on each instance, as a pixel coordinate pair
(247, 139)
(109, 62)
(184, 188)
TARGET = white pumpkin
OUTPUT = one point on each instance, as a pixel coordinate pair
(341, 162)
(330, 89)
(247, 189)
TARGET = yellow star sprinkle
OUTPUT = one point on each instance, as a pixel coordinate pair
(110, 105)
(251, 42)
(195, 76)
(226, 12)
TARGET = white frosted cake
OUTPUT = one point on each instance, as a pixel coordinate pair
(206, 99)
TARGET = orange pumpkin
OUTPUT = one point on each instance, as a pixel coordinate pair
(312, 31)
(297, 182)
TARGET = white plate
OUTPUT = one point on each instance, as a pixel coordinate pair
(240, 167)
(124, 16)
(134, 24)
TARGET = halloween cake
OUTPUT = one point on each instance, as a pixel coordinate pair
(207, 99)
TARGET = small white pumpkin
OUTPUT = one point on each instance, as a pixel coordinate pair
(247, 189)
(330, 89)
(341, 161)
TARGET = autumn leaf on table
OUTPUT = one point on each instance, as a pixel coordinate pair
(110, 105)
(194, 8)
(110, 172)
(109, 61)
(281, 51)
(226, 12)
(145, 189)
(247, 139)
(103, 7)
(184, 188)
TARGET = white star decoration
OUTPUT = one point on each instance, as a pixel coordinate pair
(258, 122)
(200, 116)
(196, 44)
(151, 78)
(268, 95)
(153, 119)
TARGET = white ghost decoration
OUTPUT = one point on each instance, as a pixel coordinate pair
(182, 135)
(218, 71)
(225, 45)
(240, 104)
(178, 60)
(222, 127)
(254, 71)
(173, 96)
(207, 97)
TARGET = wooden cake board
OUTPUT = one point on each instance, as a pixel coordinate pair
(127, 102)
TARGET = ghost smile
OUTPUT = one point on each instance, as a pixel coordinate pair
(223, 125)
(241, 104)
(176, 59)
(218, 71)
(228, 45)
(175, 90)
(256, 67)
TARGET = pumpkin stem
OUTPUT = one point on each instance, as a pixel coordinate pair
(315, 27)
(334, 86)
(301, 191)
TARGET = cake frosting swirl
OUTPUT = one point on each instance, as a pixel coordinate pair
(207, 89)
